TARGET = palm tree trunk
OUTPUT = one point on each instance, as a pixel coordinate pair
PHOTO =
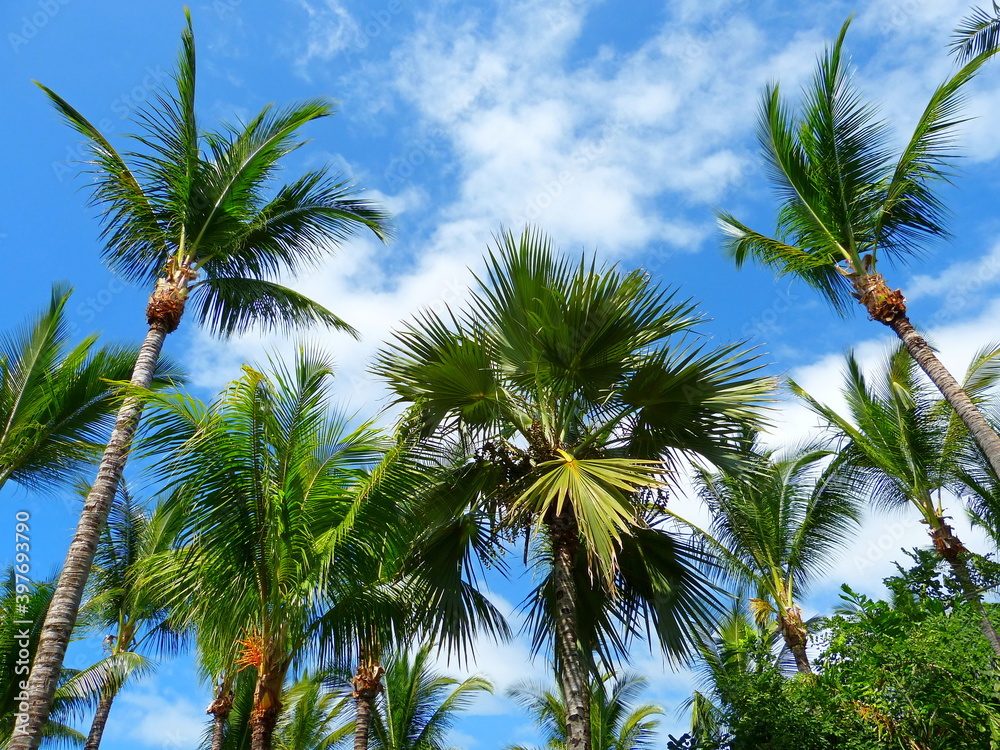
(66, 598)
(100, 720)
(796, 636)
(266, 707)
(984, 434)
(367, 685)
(950, 548)
(220, 709)
(572, 673)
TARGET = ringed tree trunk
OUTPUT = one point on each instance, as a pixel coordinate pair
(565, 541)
(266, 705)
(166, 305)
(796, 635)
(100, 720)
(889, 308)
(367, 683)
(220, 709)
(951, 549)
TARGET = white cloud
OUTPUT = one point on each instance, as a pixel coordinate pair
(330, 29)
(158, 720)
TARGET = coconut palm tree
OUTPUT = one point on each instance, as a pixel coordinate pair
(57, 400)
(616, 721)
(850, 201)
(419, 705)
(266, 479)
(194, 214)
(569, 384)
(131, 615)
(978, 33)
(777, 526)
(899, 445)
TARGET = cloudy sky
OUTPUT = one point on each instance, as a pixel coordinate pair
(616, 127)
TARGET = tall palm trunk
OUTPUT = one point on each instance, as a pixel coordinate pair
(796, 636)
(100, 720)
(220, 709)
(951, 549)
(166, 305)
(266, 707)
(367, 683)
(572, 672)
(889, 308)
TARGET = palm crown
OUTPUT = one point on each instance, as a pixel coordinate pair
(193, 208)
(848, 199)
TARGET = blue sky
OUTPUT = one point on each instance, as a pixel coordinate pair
(615, 127)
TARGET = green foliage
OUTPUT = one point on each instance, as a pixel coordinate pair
(419, 705)
(57, 400)
(913, 672)
(617, 722)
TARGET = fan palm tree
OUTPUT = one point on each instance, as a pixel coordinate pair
(978, 33)
(56, 400)
(419, 705)
(616, 722)
(267, 479)
(848, 201)
(900, 446)
(569, 383)
(776, 527)
(131, 614)
(191, 213)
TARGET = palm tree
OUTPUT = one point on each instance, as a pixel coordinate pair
(419, 705)
(979, 33)
(569, 383)
(131, 614)
(775, 527)
(266, 477)
(899, 446)
(848, 201)
(189, 212)
(57, 401)
(616, 722)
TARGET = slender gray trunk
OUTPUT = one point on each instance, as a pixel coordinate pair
(572, 672)
(100, 720)
(984, 434)
(218, 730)
(362, 721)
(367, 685)
(953, 551)
(66, 598)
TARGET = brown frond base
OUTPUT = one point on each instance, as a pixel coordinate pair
(883, 304)
(221, 706)
(166, 303)
(795, 632)
(945, 541)
(367, 681)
